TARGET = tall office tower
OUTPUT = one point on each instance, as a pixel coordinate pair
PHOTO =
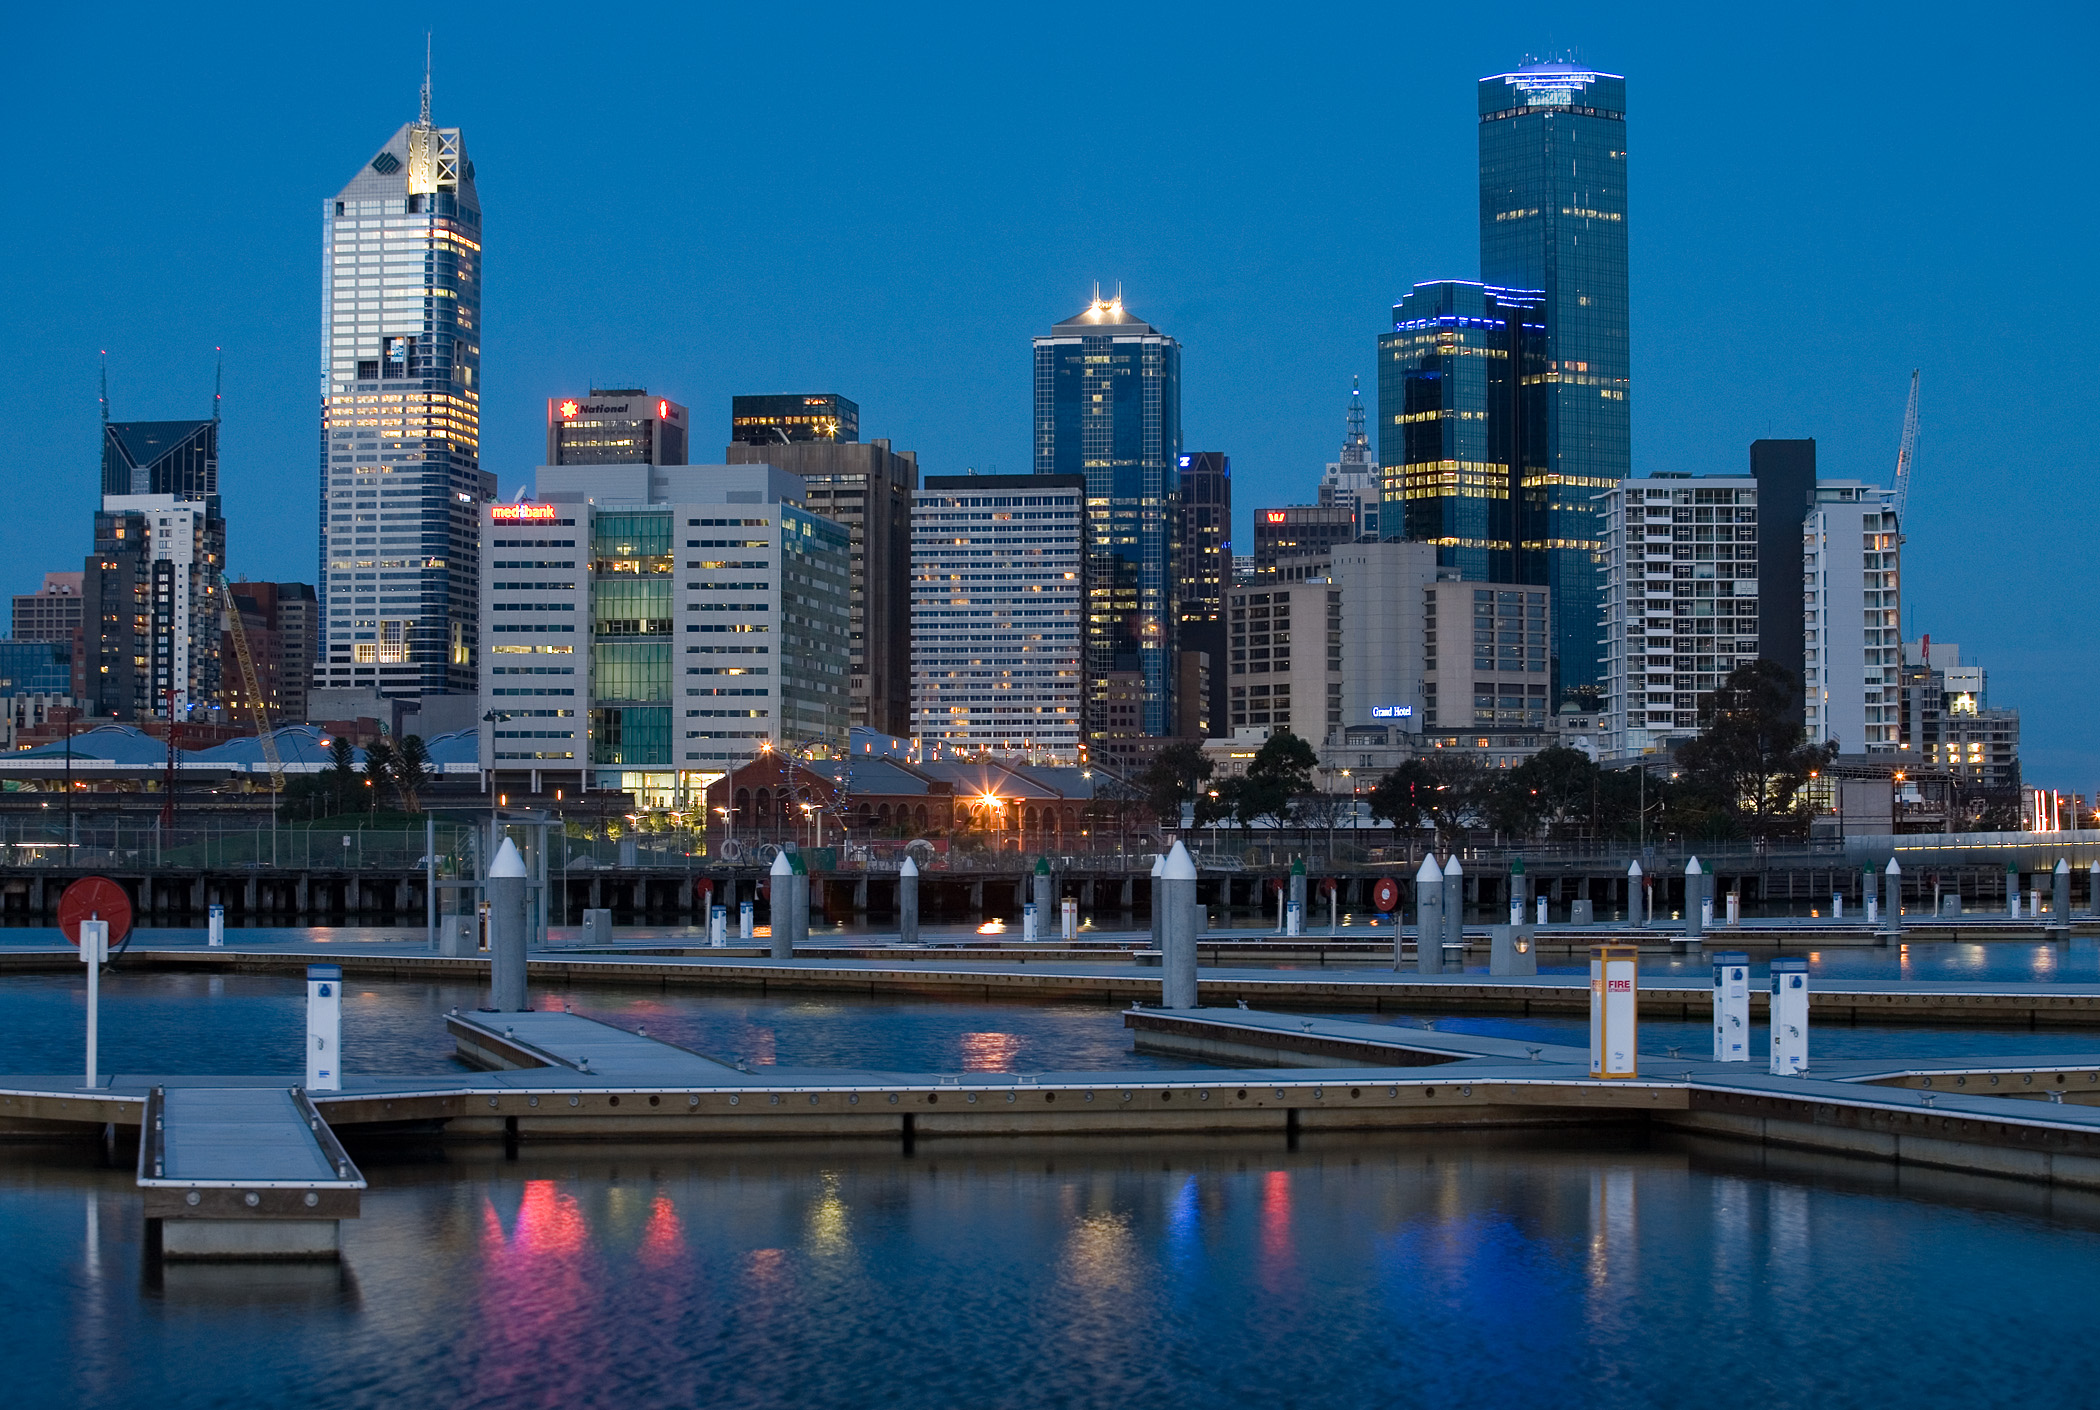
(868, 488)
(651, 628)
(616, 426)
(281, 623)
(52, 612)
(1108, 406)
(1682, 605)
(999, 600)
(1462, 428)
(179, 458)
(1204, 575)
(1553, 218)
(401, 477)
(793, 418)
(1352, 478)
(1852, 603)
(150, 608)
(1297, 541)
(1785, 472)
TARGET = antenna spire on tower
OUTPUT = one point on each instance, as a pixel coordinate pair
(426, 78)
(105, 386)
(1356, 446)
(218, 383)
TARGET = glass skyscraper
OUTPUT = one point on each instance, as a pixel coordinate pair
(1462, 428)
(1553, 218)
(401, 478)
(1108, 406)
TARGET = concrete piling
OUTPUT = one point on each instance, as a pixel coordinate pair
(506, 897)
(1177, 889)
(1429, 920)
(782, 881)
(908, 902)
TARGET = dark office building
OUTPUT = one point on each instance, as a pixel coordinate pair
(1205, 573)
(1553, 218)
(1786, 486)
(778, 420)
(281, 622)
(867, 488)
(616, 426)
(1462, 429)
(1108, 406)
(1297, 541)
(180, 458)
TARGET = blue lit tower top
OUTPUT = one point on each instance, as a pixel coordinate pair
(1553, 218)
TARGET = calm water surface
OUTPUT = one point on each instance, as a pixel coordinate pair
(1428, 1270)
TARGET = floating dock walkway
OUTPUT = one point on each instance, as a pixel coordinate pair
(243, 1172)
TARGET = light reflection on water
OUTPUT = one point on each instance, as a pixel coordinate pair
(1429, 1269)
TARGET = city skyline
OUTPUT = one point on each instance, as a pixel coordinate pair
(1791, 365)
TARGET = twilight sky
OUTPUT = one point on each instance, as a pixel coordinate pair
(888, 201)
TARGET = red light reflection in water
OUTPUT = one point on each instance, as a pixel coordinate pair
(663, 1241)
(989, 1052)
(1279, 1255)
(539, 1286)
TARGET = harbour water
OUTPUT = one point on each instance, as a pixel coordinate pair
(1421, 1270)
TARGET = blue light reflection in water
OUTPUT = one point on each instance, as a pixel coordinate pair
(1430, 1269)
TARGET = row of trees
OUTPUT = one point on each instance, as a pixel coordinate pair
(1744, 776)
(397, 771)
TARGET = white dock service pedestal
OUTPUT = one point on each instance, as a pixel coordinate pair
(1731, 1006)
(1789, 1018)
(324, 1028)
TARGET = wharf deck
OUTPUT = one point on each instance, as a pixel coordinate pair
(1875, 1110)
(243, 1172)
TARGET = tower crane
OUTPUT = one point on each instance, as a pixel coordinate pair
(253, 685)
(1903, 454)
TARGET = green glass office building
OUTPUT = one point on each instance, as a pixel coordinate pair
(1553, 218)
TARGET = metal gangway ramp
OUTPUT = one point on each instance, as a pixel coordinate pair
(243, 1172)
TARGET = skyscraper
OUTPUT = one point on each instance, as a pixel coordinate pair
(867, 488)
(1108, 406)
(1205, 573)
(1352, 478)
(616, 426)
(1461, 428)
(792, 418)
(401, 477)
(1553, 218)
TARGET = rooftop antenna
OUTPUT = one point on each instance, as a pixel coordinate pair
(1097, 291)
(105, 386)
(426, 78)
(218, 383)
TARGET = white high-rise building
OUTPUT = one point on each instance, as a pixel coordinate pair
(1680, 603)
(1852, 645)
(651, 627)
(401, 479)
(998, 614)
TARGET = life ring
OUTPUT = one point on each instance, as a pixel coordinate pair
(1385, 896)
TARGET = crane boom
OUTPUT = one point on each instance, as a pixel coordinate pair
(253, 684)
(1904, 453)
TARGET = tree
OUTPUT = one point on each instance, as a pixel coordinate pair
(341, 774)
(1176, 775)
(411, 773)
(1750, 760)
(1275, 777)
(379, 770)
(1443, 789)
(1552, 793)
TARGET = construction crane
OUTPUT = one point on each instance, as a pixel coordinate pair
(1903, 455)
(253, 685)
